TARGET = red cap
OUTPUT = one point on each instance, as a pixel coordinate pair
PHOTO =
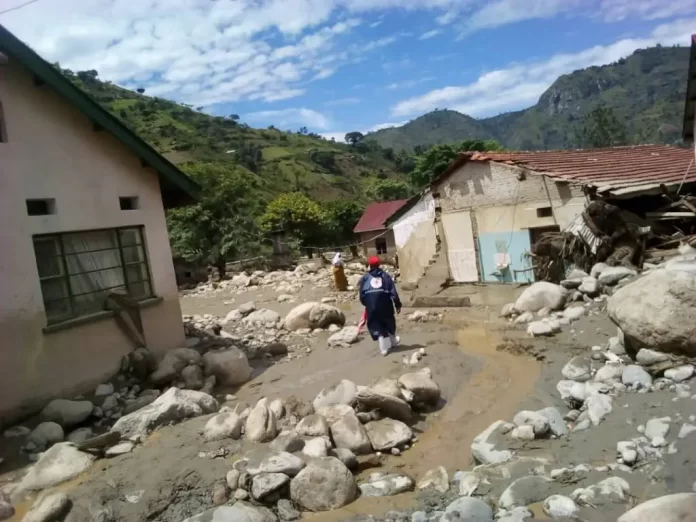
(373, 261)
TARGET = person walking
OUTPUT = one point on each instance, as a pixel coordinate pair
(379, 297)
(339, 274)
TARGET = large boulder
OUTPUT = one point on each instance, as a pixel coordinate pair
(312, 426)
(468, 509)
(325, 484)
(264, 461)
(226, 425)
(345, 392)
(262, 317)
(424, 389)
(335, 412)
(344, 337)
(172, 406)
(436, 479)
(578, 369)
(266, 483)
(658, 311)
(670, 508)
(390, 406)
(60, 463)
(541, 295)
(172, 363)
(50, 508)
(388, 433)
(261, 424)
(313, 315)
(614, 274)
(348, 433)
(230, 367)
(386, 485)
(46, 434)
(239, 512)
(67, 413)
(483, 447)
(525, 491)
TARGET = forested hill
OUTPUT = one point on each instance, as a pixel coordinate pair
(271, 161)
(645, 91)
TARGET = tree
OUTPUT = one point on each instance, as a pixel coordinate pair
(388, 154)
(341, 216)
(234, 117)
(303, 130)
(88, 76)
(297, 214)
(431, 164)
(220, 226)
(354, 137)
(324, 158)
(140, 90)
(387, 190)
(600, 129)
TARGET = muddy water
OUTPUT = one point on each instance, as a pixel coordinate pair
(492, 394)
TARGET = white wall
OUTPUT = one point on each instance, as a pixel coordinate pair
(416, 239)
(403, 227)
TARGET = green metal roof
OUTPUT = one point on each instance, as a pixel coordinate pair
(177, 188)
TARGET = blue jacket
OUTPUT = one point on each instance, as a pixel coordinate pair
(378, 293)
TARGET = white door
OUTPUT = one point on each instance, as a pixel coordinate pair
(461, 251)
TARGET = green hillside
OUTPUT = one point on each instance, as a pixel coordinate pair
(646, 92)
(272, 160)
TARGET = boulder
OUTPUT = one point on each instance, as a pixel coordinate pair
(657, 427)
(172, 406)
(519, 514)
(275, 349)
(648, 357)
(610, 372)
(578, 369)
(386, 486)
(538, 422)
(611, 490)
(391, 406)
(277, 408)
(225, 425)
(230, 366)
(436, 479)
(636, 377)
(172, 363)
(335, 412)
(525, 432)
(192, 376)
(597, 269)
(246, 308)
(240, 512)
(67, 413)
(261, 424)
(288, 441)
(50, 508)
(508, 310)
(658, 311)
(346, 456)
(262, 317)
(525, 318)
(266, 483)
(468, 482)
(103, 390)
(387, 387)
(424, 389)
(558, 506)
(348, 433)
(325, 484)
(589, 286)
(60, 463)
(628, 451)
(669, 508)
(312, 426)
(468, 509)
(79, 435)
(483, 447)
(46, 434)
(264, 461)
(574, 313)
(541, 295)
(317, 447)
(680, 373)
(388, 433)
(612, 275)
(344, 337)
(313, 315)
(540, 329)
(345, 392)
(557, 425)
(287, 511)
(598, 407)
(119, 449)
(7, 510)
(525, 491)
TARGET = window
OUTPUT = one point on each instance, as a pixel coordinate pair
(41, 207)
(381, 245)
(78, 270)
(129, 203)
(544, 212)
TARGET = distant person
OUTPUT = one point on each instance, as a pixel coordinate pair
(379, 297)
(339, 274)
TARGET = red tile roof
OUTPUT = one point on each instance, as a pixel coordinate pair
(376, 214)
(617, 170)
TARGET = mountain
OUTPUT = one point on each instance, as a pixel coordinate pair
(275, 161)
(645, 90)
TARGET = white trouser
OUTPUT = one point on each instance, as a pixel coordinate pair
(385, 343)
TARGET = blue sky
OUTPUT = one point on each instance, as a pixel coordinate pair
(336, 66)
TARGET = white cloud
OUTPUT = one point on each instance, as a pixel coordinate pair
(409, 83)
(617, 10)
(520, 85)
(286, 118)
(430, 34)
(342, 102)
(503, 12)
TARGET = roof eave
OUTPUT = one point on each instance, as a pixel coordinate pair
(44, 71)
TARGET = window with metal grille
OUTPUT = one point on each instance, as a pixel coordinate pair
(381, 245)
(78, 270)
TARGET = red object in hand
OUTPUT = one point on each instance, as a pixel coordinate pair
(363, 321)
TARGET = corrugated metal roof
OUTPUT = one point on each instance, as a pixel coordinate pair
(618, 170)
(376, 214)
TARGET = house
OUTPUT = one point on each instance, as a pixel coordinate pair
(82, 200)
(689, 127)
(490, 208)
(376, 238)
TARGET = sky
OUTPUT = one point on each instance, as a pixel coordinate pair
(336, 66)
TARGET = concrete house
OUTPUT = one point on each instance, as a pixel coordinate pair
(486, 210)
(377, 239)
(82, 201)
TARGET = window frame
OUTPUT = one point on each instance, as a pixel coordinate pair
(544, 212)
(65, 274)
(381, 241)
